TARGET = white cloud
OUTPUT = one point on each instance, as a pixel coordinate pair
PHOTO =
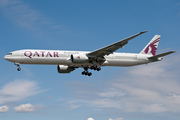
(18, 90)
(108, 119)
(73, 104)
(106, 103)
(154, 108)
(4, 108)
(148, 88)
(23, 16)
(116, 119)
(50, 97)
(111, 93)
(20, 13)
(90, 119)
(26, 108)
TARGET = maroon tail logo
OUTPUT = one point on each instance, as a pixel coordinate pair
(153, 47)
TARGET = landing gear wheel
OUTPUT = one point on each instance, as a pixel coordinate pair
(86, 73)
(89, 74)
(98, 69)
(92, 67)
(95, 68)
(83, 72)
(18, 65)
(19, 69)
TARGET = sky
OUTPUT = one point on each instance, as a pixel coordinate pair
(39, 92)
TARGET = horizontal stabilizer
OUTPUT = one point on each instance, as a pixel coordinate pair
(161, 55)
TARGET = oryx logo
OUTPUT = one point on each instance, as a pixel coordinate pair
(78, 57)
(152, 47)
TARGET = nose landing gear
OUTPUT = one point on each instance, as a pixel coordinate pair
(18, 65)
(18, 68)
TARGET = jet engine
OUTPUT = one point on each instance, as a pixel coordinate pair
(77, 58)
(64, 69)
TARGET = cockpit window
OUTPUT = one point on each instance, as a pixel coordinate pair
(9, 53)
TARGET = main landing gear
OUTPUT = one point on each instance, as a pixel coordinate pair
(85, 72)
(95, 68)
(18, 65)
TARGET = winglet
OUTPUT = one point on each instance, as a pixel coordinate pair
(143, 32)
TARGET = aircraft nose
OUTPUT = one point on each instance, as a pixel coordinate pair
(8, 58)
(5, 57)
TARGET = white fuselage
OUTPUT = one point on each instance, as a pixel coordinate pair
(68, 61)
(57, 57)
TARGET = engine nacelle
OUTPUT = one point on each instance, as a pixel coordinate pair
(160, 58)
(77, 58)
(64, 69)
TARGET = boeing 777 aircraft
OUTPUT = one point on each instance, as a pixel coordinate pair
(68, 61)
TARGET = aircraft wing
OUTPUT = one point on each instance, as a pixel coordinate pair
(161, 55)
(113, 47)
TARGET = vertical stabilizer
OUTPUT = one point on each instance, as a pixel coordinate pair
(151, 47)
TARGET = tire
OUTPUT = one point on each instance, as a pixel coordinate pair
(83, 72)
(19, 69)
(89, 74)
(86, 73)
(98, 69)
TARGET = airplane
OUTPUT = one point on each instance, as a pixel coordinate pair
(68, 61)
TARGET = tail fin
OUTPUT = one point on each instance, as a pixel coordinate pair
(151, 47)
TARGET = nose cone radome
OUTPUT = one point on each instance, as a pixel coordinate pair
(8, 58)
(5, 57)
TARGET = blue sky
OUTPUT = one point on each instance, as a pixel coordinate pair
(115, 93)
